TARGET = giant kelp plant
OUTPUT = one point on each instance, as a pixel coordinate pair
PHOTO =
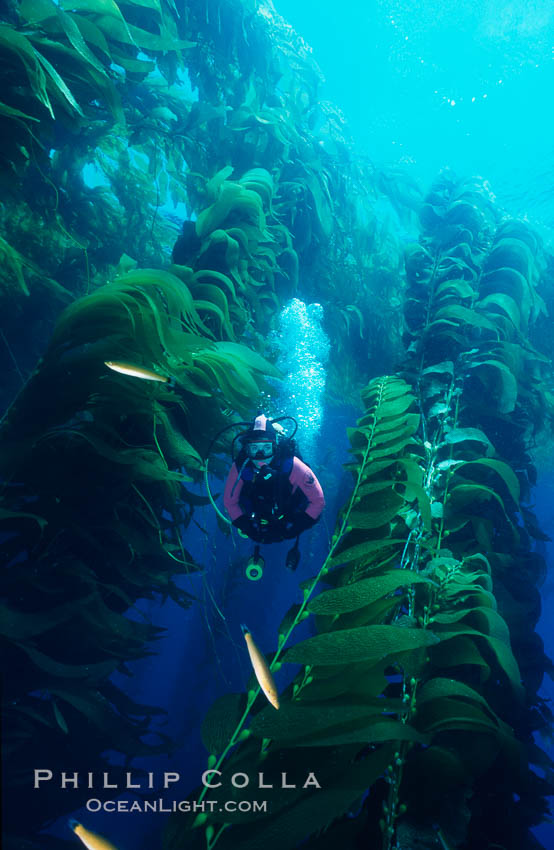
(94, 514)
(416, 701)
(119, 120)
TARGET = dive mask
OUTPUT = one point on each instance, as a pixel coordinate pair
(260, 451)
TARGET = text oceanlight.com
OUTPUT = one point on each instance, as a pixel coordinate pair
(170, 806)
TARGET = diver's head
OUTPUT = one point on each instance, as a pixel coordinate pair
(260, 451)
(260, 441)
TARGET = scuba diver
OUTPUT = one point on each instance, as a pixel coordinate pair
(270, 494)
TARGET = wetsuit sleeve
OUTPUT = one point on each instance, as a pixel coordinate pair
(302, 476)
(231, 494)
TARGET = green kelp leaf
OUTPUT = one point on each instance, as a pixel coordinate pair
(60, 719)
(373, 733)
(182, 451)
(469, 435)
(35, 11)
(460, 651)
(20, 625)
(392, 448)
(154, 5)
(30, 711)
(461, 289)
(427, 509)
(419, 263)
(451, 266)
(91, 34)
(511, 253)
(366, 643)
(105, 623)
(249, 357)
(389, 431)
(465, 316)
(147, 464)
(140, 66)
(373, 487)
(389, 427)
(17, 515)
(211, 275)
(236, 382)
(363, 551)
(354, 681)
(448, 713)
(330, 724)
(490, 622)
(96, 7)
(502, 651)
(100, 714)
(216, 182)
(224, 239)
(389, 504)
(260, 181)
(232, 197)
(463, 495)
(374, 614)
(499, 383)
(96, 671)
(395, 406)
(384, 389)
(514, 229)
(223, 327)
(378, 562)
(315, 811)
(382, 445)
(513, 284)
(358, 313)
(444, 770)
(439, 688)
(445, 367)
(116, 29)
(194, 381)
(502, 469)
(11, 112)
(59, 82)
(289, 619)
(501, 303)
(221, 721)
(88, 76)
(322, 202)
(76, 39)
(17, 43)
(298, 720)
(350, 597)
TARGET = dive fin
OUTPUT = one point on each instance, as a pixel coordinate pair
(293, 557)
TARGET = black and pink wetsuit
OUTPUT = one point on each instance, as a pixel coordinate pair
(273, 502)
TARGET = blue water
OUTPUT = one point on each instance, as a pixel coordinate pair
(433, 83)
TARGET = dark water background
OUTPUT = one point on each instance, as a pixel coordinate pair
(426, 85)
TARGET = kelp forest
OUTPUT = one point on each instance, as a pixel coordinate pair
(171, 179)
